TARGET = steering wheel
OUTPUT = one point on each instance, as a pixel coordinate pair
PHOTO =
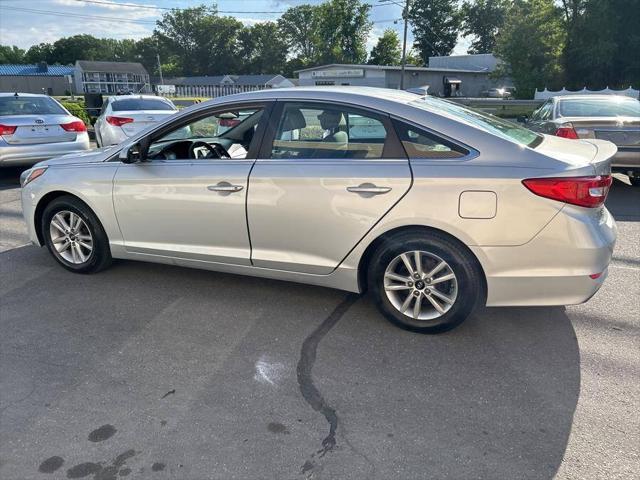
(215, 150)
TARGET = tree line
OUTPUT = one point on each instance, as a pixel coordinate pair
(542, 43)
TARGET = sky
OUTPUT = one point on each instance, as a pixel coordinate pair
(25, 23)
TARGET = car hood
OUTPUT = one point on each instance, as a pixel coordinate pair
(90, 156)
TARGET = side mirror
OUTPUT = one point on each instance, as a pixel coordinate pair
(522, 119)
(133, 153)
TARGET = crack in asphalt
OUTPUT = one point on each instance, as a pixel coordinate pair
(309, 391)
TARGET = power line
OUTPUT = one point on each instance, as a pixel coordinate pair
(78, 15)
(151, 7)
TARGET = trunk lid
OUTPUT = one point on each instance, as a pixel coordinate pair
(623, 131)
(141, 119)
(583, 157)
(38, 129)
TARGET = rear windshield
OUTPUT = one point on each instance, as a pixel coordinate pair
(29, 106)
(599, 107)
(140, 104)
(494, 125)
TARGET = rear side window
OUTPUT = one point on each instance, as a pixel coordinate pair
(328, 131)
(419, 143)
(140, 104)
(29, 106)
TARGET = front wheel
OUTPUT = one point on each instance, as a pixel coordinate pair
(74, 236)
(425, 283)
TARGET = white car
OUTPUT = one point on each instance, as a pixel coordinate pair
(124, 116)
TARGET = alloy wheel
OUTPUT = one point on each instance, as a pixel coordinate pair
(420, 285)
(71, 237)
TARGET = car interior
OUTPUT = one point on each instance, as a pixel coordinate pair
(209, 138)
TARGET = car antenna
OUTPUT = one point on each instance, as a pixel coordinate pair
(16, 94)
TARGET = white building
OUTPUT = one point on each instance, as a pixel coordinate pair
(444, 81)
(111, 77)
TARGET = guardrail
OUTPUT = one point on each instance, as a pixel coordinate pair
(499, 106)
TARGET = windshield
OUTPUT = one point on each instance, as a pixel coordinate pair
(140, 104)
(494, 125)
(599, 107)
(30, 106)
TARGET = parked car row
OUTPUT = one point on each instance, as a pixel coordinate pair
(432, 207)
(606, 117)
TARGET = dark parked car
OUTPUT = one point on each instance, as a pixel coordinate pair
(606, 117)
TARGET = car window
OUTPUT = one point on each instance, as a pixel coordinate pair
(419, 143)
(18, 105)
(600, 107)
(490, 124)
(234, 130)
(130, 104)
(545, 112)
(328, 131)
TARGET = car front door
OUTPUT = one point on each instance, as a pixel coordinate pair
(326, 174)
(186, 203)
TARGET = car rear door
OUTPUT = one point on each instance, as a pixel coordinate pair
(317, 189)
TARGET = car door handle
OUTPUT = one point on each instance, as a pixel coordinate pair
(225, 187)
(369, 189)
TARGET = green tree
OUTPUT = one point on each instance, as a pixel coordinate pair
(343, 27)
(388, 50)
(42, 52)
(435, 27)
(531, 45)
(262, 49)
(601, 39)
(299, 29)
(482, 20)
(11, 54)
(199, 41)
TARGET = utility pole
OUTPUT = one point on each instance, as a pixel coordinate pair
(405, 16)
(160, 68)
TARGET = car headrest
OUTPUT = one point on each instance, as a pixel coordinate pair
(294, 119)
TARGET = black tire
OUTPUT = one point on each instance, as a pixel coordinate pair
(100, 256)
(468, 276)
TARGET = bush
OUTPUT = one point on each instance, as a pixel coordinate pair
(77, 109)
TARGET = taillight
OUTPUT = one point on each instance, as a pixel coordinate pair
(7, 129)
(118, 121)
(567, 131)
(588, 192)
(76, 126)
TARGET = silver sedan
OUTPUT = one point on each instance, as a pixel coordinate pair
(124, 116)
(433, 208)
(36, 127)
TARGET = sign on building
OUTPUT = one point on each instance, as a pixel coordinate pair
(352, 73)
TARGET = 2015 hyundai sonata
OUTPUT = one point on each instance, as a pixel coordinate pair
(432, 207)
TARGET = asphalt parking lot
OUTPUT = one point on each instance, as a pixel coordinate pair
(152, 371)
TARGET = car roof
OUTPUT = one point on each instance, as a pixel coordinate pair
(139, 97)
(19, 94)
(317, 93)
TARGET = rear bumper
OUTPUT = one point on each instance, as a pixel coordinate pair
(626, 158)
(31, 154)
(553, 268)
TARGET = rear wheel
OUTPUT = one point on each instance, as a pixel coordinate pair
(74, 236)
(424, 282)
